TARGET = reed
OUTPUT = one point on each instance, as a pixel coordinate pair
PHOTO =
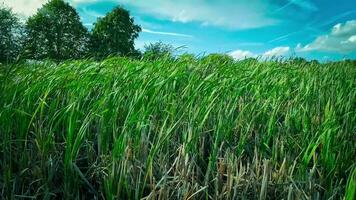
(186, 128)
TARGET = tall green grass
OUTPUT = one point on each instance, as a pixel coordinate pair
(189, 128)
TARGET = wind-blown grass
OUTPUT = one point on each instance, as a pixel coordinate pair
(178, 129)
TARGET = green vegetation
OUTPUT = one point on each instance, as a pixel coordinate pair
(55, 32)
(11, 36)
(158, 50)
(189, 128)
(115, 34)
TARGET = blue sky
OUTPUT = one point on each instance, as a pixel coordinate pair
(319, 29)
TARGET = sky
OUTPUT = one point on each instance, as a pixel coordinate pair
(318, 29)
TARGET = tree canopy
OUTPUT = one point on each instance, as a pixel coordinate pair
(56, 32)
(158, 50)
(11, 35)
(114, 34)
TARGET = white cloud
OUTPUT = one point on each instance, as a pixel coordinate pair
(342, 38)
(25, 8)
(352, 39)
(239, 15)
(344, 29)
(166, 33)
(240, 54)
(276, 52)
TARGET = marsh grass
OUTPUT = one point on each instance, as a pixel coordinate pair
(178, 129)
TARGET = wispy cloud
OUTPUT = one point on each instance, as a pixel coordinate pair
(166, 33)
(336, 18)
(309, 27)
(303, 4)
(88, 24)
(283, 37)
(234, 15)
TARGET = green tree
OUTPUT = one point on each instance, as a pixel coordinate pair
(56, 32)
(158, 50)
(11, 35)
(217, 59)
(114, 34)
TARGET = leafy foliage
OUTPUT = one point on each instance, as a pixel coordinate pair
(218, 59)
(187, 128)
(114, 34)
(11, 35)
(154, 51)
(56, 32)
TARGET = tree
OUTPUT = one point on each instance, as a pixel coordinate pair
(157, 50)
(217, 59)
(56, 32)
(114, 34)
(11, 35)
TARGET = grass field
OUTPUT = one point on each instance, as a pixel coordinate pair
(189, 128)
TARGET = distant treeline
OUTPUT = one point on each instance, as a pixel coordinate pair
(56, 32)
